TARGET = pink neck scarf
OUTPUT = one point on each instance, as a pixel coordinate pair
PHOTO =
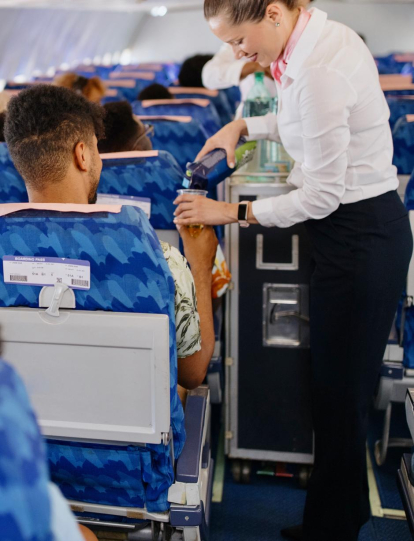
(279, 66)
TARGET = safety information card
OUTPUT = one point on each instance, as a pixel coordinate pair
(46, 271)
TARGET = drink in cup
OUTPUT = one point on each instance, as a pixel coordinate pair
(194, 229)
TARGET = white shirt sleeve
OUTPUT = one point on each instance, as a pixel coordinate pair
(223, 70)
(324, 109)
(64, 525)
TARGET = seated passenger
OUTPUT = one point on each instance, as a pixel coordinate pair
(123, 131)
(190, 72)
(93, 88)
(52, 135)
(155, 92)
(35, 507)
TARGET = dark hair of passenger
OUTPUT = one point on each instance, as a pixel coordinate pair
(43, 125)
(122, 130)
(155, 92)
(190, 72)
(241, 11)
(2, 122)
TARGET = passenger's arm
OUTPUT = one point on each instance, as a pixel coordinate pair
(200, 253)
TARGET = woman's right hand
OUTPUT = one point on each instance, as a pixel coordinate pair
(227, 139)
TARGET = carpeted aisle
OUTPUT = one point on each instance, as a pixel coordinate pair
(257, 512)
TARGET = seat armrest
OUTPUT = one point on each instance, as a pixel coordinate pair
(188, 465)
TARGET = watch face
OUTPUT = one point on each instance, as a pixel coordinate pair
(242, 212)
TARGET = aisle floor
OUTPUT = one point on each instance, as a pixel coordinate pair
(257, 512)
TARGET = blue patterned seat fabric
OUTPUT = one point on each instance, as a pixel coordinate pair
(25, 513)
(220, 102)
(128, 274)
(233, 97)
(183, 140)
(158, 178)
(408, 343)
(399, 106)
(207, 116)
(389, 65)
(403, 137)
(12, 187)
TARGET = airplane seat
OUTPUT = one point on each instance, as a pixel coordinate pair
(159, 72)
(153, 175)
(12, 186)
(217, 97)
(127, 89)
(399, 106)
(200, 109)
(233, 97)
(25, 513)
(103, 377)
(403, 138)
(183, 137)
(397, 371)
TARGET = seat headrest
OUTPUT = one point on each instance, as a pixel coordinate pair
(171, 118)
(9, 208)
(130, 154)
(194, 90)
(187, 101)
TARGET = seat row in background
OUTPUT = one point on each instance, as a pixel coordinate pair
(396, 76)
(213, 108)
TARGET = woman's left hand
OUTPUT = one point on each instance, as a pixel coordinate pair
(195, 209)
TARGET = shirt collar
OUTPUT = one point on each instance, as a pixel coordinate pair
(306, 43)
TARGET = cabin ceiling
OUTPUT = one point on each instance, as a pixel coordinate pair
(103, 5)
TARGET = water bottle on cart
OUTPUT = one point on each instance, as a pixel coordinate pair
(271, 157)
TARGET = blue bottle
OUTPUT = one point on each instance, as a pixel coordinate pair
(213, 168)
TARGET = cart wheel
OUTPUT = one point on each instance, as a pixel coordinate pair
(246, 472)
(304, 475)
(380, 453)
(236, 470)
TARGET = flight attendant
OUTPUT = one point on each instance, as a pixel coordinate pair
(333, 120)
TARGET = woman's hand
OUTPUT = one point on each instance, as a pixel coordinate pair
(195, 209)
(227, 138)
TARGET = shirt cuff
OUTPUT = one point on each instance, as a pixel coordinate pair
(234, 72)
(262, 210)
(257, 128)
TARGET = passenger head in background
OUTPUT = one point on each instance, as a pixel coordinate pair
(155, 92)
(93, 88)
(123, 131)
(190, 72)
(52, 135)
(2, 121)
(4, 100)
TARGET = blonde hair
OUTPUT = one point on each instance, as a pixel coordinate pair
(81, 85)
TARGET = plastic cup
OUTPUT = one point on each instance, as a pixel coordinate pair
(194, 229)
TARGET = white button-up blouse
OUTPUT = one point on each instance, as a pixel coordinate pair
(333, 121)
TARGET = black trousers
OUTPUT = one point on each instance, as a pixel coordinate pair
(362, 252)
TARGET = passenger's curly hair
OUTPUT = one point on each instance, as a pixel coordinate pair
(43, 125)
